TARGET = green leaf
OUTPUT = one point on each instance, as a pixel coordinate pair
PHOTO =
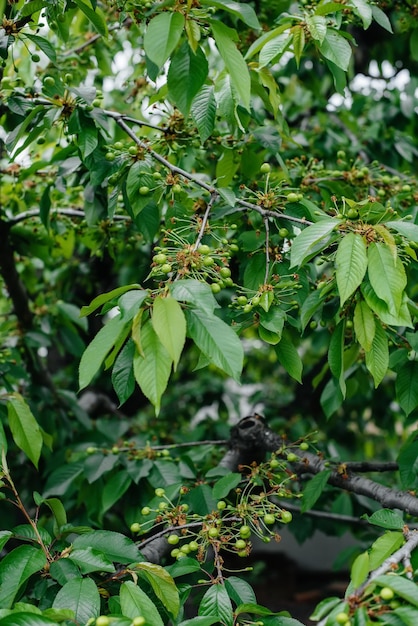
(364, 325)
(311, 240)
(114, 489)
(289, 357)
(98, 349)
(387, 276)
(408, 462)
(225, 484)
(115, 546)
(216, 602)
(81, 596)
(313, 489)
(384, 546)
(325, 8)
(216, 340)
(123, 379)
(152, 368)
(363, 9)
(336, 48)
(169, 324)
(407, 386)
(15, 569)
(200, 621)
(134, 602)
(406, 589)
(33, 6)
(403, 318)
(360, 569)
(298, 42)
(351, 264)
(233, 59)
(407, 229)
(57, 509)
(202, 500)
(381, 18)
(61, 479)
(186, 75)
(23, 618)
(310, 306)
(407, 614)
(245, 12)
(324, 608)
(274, 48)
(336, 355)
(64, 570)
(377, 359)
(95, 17)
(203, 111)
(317, 26)
(162, 36)
(162, 584)
(4, 538)
(90, 560)
(194, 292)
(240, 591)
(106, 297)
(24, 428)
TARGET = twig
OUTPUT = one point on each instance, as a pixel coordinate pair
(266, 226)
(205, 218)
(366, 466)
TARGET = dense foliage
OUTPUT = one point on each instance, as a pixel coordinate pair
(207, 209)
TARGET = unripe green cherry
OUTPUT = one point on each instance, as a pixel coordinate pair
(292, 457)
(215, 288)
(139, 621)
(242, 300)
(255, 300)
(144, 190)
(173, 540)
(240, 544)
(204, 249)
(35, 58)
(286, 517)
(177, 188)
(221, 505)
(166, 268)
(245, 531)
(341, 618)
(225, 272)
(110, 156)
(386, 593)
(213, 532)
(208, 261)
(283, 232)
(102, 620)
(135, 527)
(265, 168)
(159, 492)
(292, 197)
(274, 463)
(132, 150)
(145, 511)
(49, 81)
(269, 518)
(160, 258)
(304, 445)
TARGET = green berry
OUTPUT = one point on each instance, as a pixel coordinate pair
(174, 553)
(185, 548)
(144, 190)
(386, 593)
(341, 618)
(110, 156)
(118, 145)
(177, 188)
(96, 103)
(406, 188)
(245, 531)
(352, 214)
(304, 445)
(269, 518)
(35, 58)
(160, 258)
(274, 463)
(132, 150)
(255, 300)
(242, 300)
(221, 505)
(265, 168)
(135, 527)
(145, 511)
(283, 232)
(194, 546)
(286, 517)
(340, 154)
(91, 450)
(292, 197)
(247, 308)
(213, 532)
(139, 621)
(292, 457)
(173, 540)
(49, 81)
(102, 620)
(240, 544)
(204, 249)
(208, 261)
(166, 268)
(159, 492)
(215, 288)
(225, 272)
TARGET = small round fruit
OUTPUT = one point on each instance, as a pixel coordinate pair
(177, 188)
(313, 325)
(225, 272)
(341, 618)
(274, 463)
(269, 519)
(138, 621)
(213, 532)
(135, 527)
(286, 517)
(245, 531)
(240, 544)
(386, 593)
(173, 540)
(215, 288)
(352, 214)
(162, 506)
(35, 58)
(145, 511)
(255, 300)
(304, 445)
(242, 300)
(157, 175)
(102, 620)
(40, 141)
(292, 457)
(118, 145)
(96, 103)
(166, 268)
(204, 249)
(194, 546)
(132, 151)
(175, 552)
(292, 197)
(265, 168)
(340, 154)
(159, 258)
(248, 308)
(91, 450)
(283, 232)
(110, 156)
(185, 548)
(242, 553)
(144, 190)
(208, 261)
(233, 247)
(221, 505)
(406, 188)
(49, 81)
(159, 492)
